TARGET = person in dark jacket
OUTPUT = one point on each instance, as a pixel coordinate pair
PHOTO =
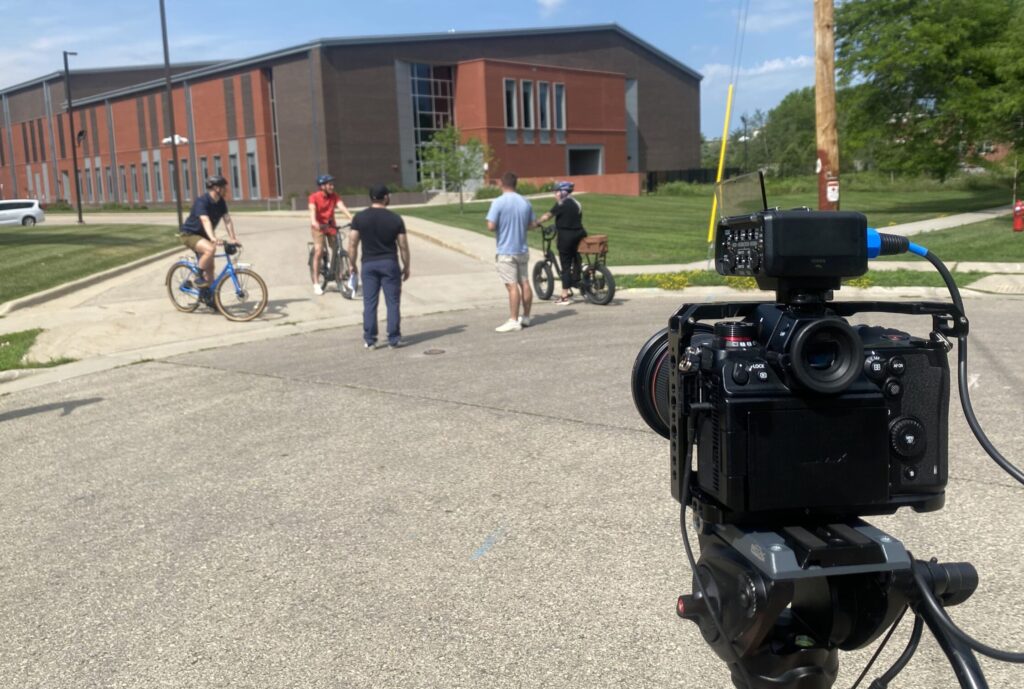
(568, 215)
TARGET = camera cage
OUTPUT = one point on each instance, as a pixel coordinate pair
(948, 321)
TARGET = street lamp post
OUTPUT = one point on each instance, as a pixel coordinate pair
(176, 180)
(71, 128)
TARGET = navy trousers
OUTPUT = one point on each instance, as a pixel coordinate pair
(387, 275)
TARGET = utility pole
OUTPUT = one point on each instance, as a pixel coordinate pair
(74, 139)
(827, 166)
(176, 186)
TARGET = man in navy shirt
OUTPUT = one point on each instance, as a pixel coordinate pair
(198, 230)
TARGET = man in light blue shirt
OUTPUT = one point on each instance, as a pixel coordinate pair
(510, 217)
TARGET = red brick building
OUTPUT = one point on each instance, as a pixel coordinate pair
(549, 102)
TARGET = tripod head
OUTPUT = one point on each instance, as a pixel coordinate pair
(789, 600)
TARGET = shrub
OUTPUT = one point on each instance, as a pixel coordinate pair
(684, 189)
(489, 192)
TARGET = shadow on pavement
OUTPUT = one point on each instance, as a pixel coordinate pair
(68, 407)
(418, 338)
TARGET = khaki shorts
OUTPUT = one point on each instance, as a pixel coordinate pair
(190, 240)
(513, 268)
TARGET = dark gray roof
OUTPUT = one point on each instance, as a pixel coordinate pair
(209, 69)
(59, 75)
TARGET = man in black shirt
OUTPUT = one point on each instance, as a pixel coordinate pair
(568, 215)
(382, 234)
(198, 230)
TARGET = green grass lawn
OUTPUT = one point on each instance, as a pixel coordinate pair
(13, 347)
(991, 240)
(673, 229)
(36, 258)
(877, 278)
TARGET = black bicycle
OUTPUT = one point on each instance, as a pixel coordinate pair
(590, 275)
(335, 265)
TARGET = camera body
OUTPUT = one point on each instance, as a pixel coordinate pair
(797, 415)
(778, 442)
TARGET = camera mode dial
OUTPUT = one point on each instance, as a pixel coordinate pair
(907, 436)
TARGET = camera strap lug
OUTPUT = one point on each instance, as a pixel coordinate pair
(942, 340)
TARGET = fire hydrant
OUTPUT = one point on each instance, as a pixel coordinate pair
(1018, 216)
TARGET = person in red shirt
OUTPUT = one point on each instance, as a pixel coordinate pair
(322, 205)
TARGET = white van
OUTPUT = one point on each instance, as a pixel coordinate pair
(21, 212)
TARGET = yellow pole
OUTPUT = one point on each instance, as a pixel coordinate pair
(721, 165)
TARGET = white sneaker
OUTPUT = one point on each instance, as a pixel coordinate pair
(508, 326)
(525, 321)
(317, 289)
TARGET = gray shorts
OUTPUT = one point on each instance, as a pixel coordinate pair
(513, 268)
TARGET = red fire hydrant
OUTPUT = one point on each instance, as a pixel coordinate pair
(1018, 216)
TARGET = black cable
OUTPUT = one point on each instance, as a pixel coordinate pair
(901, 662)
(943, 619)
(965, 398)
(881, 647)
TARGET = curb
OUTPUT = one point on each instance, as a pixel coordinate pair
(87, 281)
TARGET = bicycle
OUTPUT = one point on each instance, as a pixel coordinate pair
(593, 278)
(237, 292)
(335, 265)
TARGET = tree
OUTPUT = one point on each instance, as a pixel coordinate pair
(454, 162)
(926, 75)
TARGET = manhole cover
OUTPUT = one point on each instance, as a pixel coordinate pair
(432, 352)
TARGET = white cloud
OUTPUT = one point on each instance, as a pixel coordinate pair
(717, 71)
(549, 7)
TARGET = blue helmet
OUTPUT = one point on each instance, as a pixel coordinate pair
(324, 179)
(567, 187)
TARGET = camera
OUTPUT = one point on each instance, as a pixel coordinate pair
(798, 416)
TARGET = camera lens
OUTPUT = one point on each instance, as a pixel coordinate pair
(650, 383)
(826, 356)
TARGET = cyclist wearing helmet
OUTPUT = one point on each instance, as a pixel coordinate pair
(198, 232)
(322, 205)
(568, 215)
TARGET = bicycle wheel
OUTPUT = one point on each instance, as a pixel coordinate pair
(247, 301)
(543, 280)
(180, 289)
(599, 286)
(344, 273)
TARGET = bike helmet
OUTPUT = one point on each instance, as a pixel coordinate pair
(216, 181)
(567, 187)
(324, 179)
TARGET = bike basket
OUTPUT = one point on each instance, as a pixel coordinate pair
(593, 244)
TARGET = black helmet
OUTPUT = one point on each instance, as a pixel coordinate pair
(324, 179)
(567, 187)
(216, 181)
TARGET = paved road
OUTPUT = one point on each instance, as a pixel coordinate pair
(476, 510)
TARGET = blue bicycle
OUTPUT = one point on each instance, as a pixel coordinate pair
(237, 292)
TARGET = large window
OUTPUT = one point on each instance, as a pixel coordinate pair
(236, 182)
(204, 168)
(172, 175)
(433, 96)
(145, 181)
(511, 121)
(254, 175)
(158, 179)
(560, 107)
(559, 113)
(527, 104)
(186, 179)
(544, 111)
(218, 169)
(135, 185)
(528, 123)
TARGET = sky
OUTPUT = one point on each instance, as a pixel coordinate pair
(776, 50)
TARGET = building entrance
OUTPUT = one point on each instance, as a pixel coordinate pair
(585, 160)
